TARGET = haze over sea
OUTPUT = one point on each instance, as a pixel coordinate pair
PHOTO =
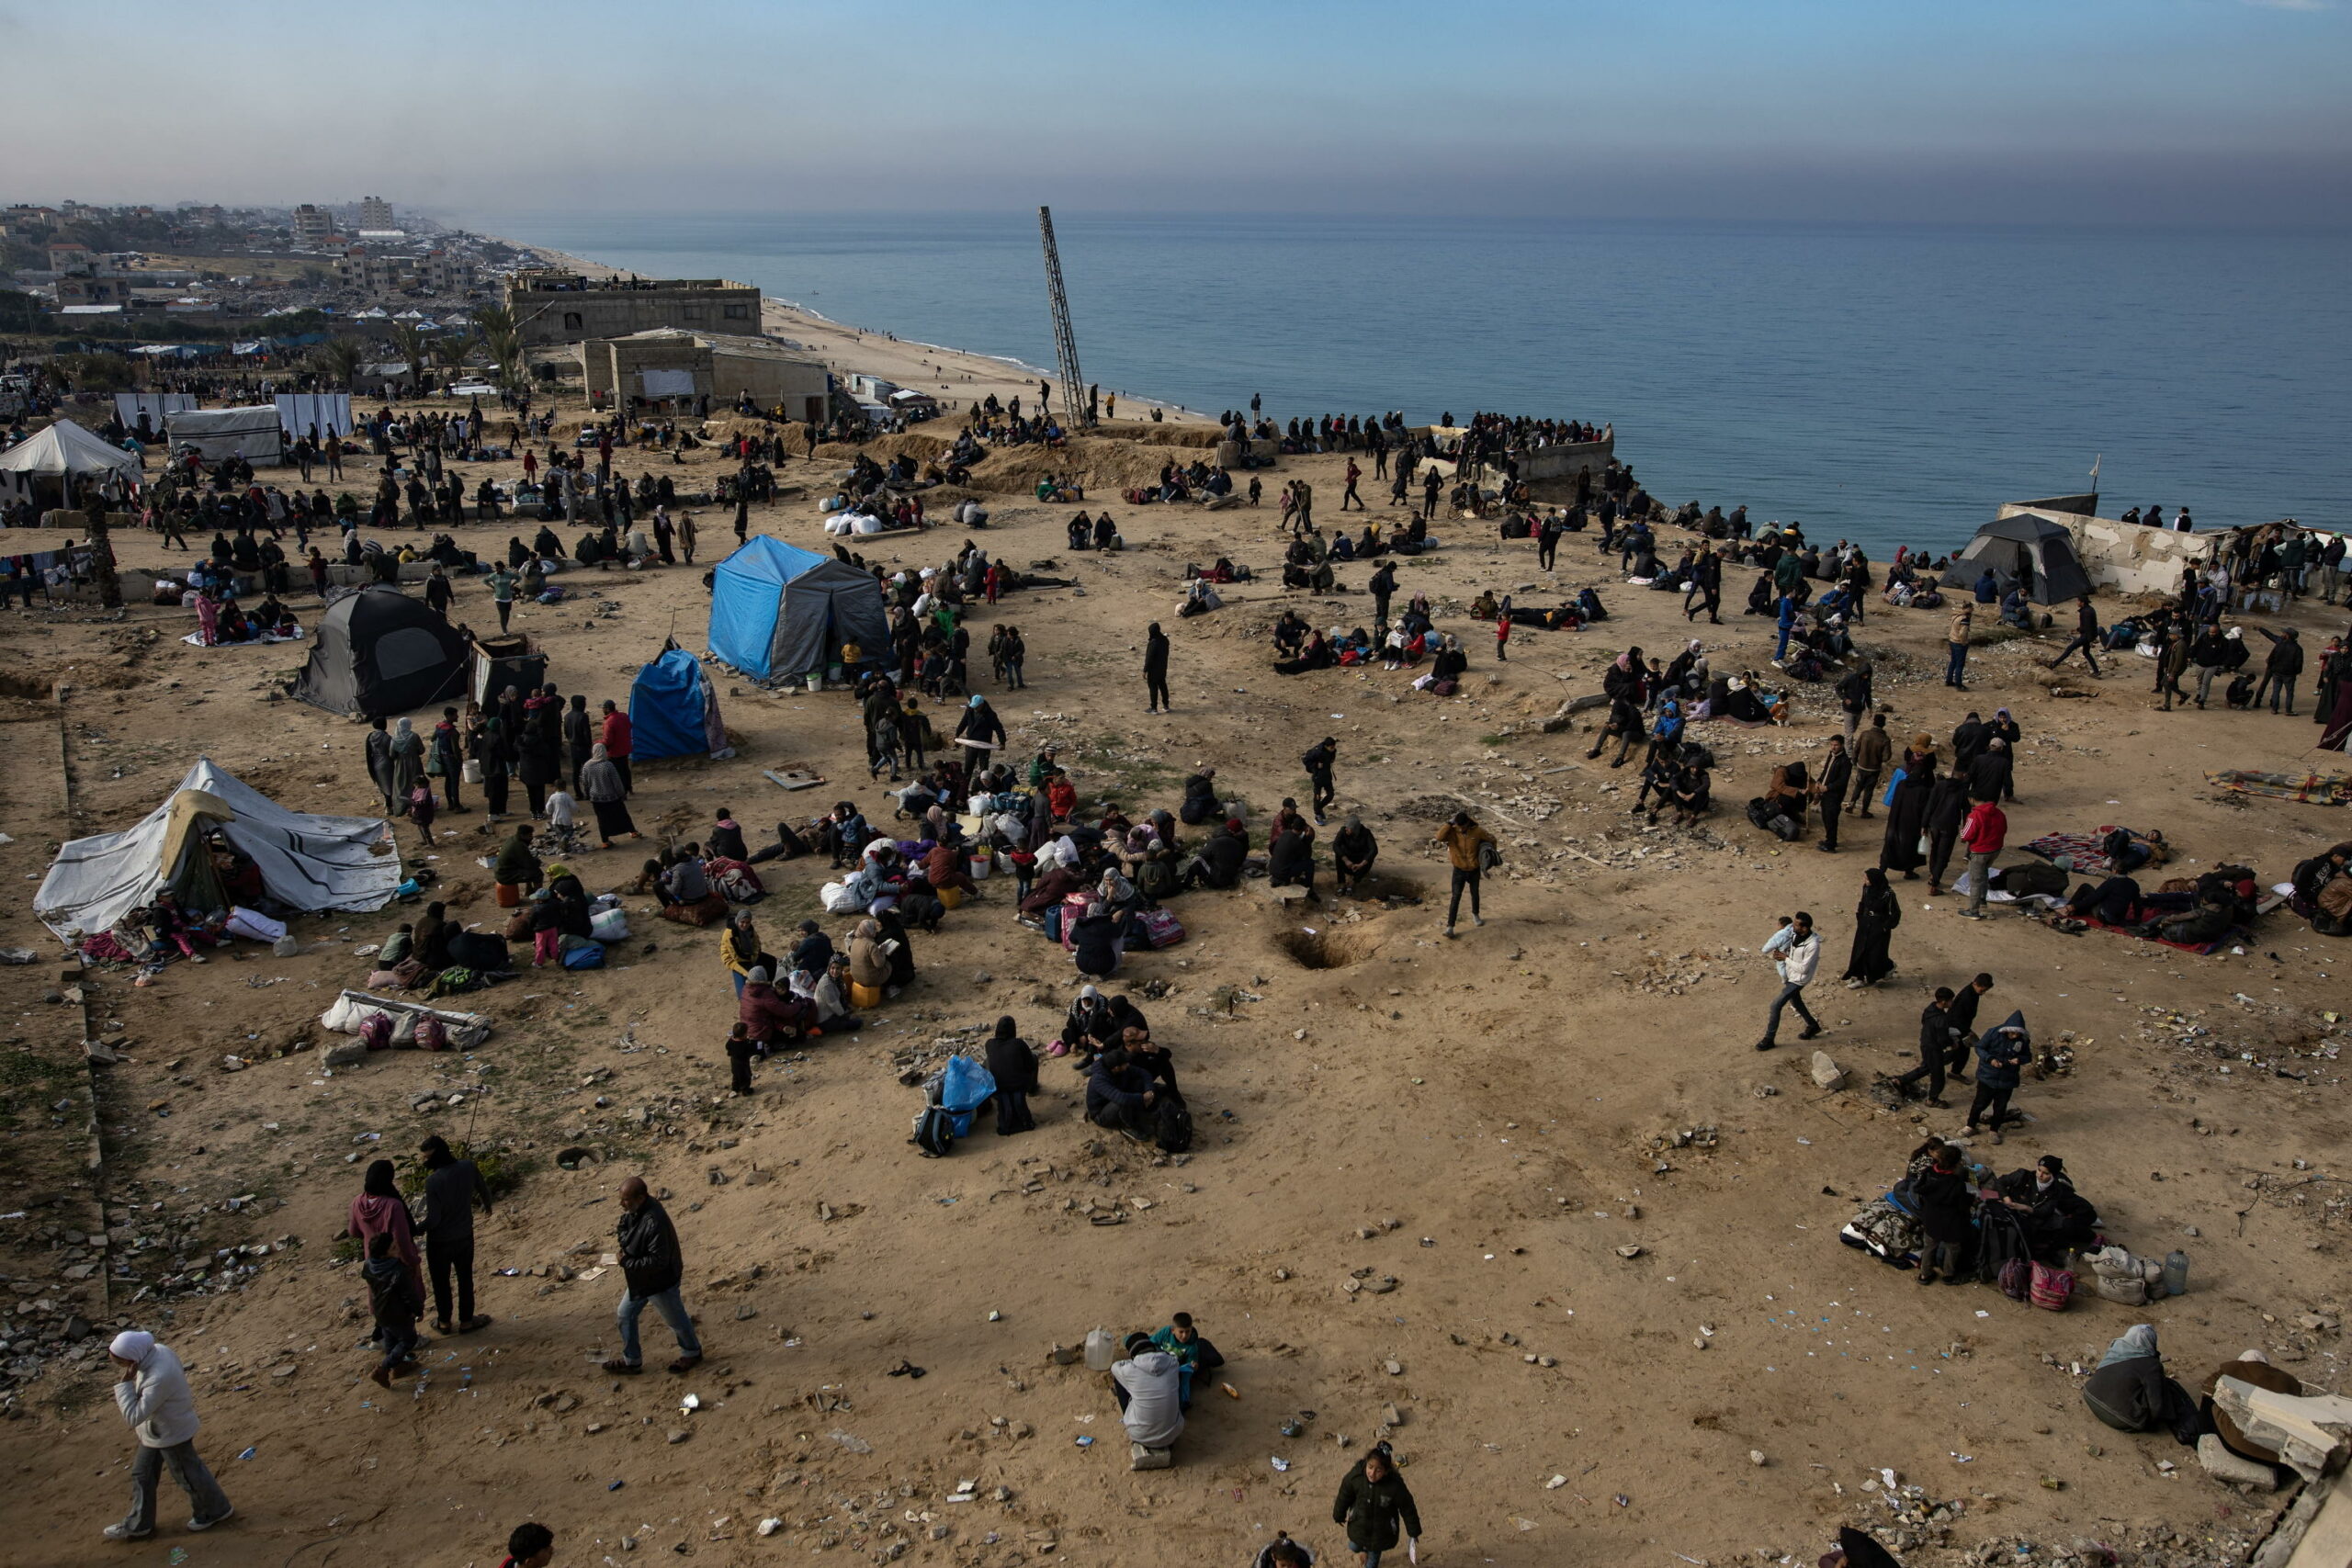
(1888, 384)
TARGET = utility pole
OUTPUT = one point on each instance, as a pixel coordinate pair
(1065, 345)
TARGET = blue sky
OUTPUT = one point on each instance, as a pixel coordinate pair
(2204, 112)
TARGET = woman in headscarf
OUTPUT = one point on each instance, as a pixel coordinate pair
(901, 955)
(868, 965)
(979, 729)
(1948, 804)
(380, 1210)
(2129, 1391)
(1015, 1066)
(1875, 918)
(739, 948)
(1906, 810)
(602, 783)
(408, 759)
(486, 744)
(541, 751)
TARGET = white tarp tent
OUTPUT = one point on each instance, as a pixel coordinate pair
(247, 432)
(156, 406)
(307, 862)
(63, 449)
(330, 413)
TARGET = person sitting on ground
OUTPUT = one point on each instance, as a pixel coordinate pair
(1193, 1351)
(828, 994)
(1096, 941)
(1353, 851)
(726, 837)
(1119, 1096)
(1219, 862)
(2057, 1219)
(774, 1019)
(686, 894)
(2129, 1391)
(1095, 1022)
(1150, 1388)
(1200, 798)
(1290, 860)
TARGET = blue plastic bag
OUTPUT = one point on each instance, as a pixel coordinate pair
(964, 1086)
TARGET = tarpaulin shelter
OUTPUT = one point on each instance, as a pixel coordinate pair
(673, 710)
(777, 610)
(63, 451)
(2038, 553)
(299, 411)
(307, 862)
(248, 433)
(382, 653)
(510, 658)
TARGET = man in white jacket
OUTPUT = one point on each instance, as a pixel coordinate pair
(1799, 946)
(153, 1395)
(1150, 1395)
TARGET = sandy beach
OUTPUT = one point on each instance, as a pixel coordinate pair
(1527, 1203)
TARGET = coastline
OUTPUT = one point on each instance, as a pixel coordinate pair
(955, 376)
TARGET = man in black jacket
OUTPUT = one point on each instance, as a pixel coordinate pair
(1154, 671)
(1835, 776)
(651, 1263)
(1120, 1096)
(1961, 1023)
(1990, 777)
(2086, 637)
(1935, 1041)
(1217, 862)
(451, 1186)
(2278, 671)
(1320, 760)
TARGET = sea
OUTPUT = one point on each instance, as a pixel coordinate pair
(1889, 384)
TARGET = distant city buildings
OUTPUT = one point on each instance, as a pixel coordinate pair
(552, 307)
(314, 225)
(376, 215)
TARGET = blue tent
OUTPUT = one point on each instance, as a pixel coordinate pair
(777, 610)
(673, 710)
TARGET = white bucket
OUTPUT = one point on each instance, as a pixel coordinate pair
(980, 865)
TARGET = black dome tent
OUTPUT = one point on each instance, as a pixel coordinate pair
(2038, 552)
(382, 653)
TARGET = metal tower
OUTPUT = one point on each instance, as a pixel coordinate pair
(1075, 410)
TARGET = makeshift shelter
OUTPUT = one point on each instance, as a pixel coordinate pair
(251, 433)
(673, 710)
(777, 610)
(507, 659)
(307, 862)
(382, 653)
(2036, 552)
(61, 452)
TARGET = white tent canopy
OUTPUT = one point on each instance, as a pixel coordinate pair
(65, 448)
(307, 862)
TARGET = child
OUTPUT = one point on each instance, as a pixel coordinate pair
(563, 814)
(1193, 1354)
(1503, 636)
(419, 811)
(546, 939)
(738, 1058)
(394, 1300)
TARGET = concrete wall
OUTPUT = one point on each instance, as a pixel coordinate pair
(571, 316)
(2123, 558)
(1562, 462)
(799, 385)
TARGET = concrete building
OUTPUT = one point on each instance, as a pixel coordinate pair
(666, 363)
(2127, 558)
(71, 258)
(84, 289)
(444, 272)
(564, 307)
(314, 225)
(375, 212)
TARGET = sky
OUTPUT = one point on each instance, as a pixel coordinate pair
(2203, 113)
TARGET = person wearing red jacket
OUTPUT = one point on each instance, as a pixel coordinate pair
(615, 738)
(1982, 834)
(774, 1019)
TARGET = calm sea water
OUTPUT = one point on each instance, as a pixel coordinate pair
(1889, 384)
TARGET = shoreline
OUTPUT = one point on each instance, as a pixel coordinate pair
(950, 374)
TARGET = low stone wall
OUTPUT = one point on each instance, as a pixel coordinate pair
(2125, 558)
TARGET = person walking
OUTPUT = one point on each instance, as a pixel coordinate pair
(395, 1302)
(1383, 587)
(1831, 780)
(741, 1048)
(1320, 760)
(1982, 835)
(1014, 1065)
(1798, 949)
(1154, 671)
(1872, 751)
(653, 1266)
(1956, 645)
(620, 744)
(1854, 697)
(1706, 588)
(2001, 1055)
(1354, 474)
(2085, 638)
(1935, 1040)
(451, 1187)
(1377, 1508)
(1464, 844)
(151, 1391)
(502, 594)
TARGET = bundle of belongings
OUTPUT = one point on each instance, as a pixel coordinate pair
(2309, 789)
(383, 1024)
(2106, 851)
(2017, 1232)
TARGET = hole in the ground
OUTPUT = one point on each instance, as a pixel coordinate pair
(1323, 950)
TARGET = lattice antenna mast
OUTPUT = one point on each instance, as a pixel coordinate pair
(1075, 406)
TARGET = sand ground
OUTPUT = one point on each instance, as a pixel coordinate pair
(1490, 1123)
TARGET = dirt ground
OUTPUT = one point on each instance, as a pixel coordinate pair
(1493, 1125)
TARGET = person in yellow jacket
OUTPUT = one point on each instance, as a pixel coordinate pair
(1464, 842)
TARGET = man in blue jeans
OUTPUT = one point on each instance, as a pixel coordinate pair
(653, 1266)
(1798, 946)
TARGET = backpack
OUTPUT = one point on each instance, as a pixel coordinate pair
(934, 1132)
(739, 885)
(2017, 1279)
(1173, 1135)
(431, 1035)
(376, 1031)
(1162, 928)
(2052, 1288)
(589, 957)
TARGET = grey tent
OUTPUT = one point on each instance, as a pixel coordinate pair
(382, 653)
(2035, 551)
(306, 862)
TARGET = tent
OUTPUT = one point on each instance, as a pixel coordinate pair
(382, 653)
(2038, 552)
(673, 710)
(307, 862)
(61, 449)
(777, 610)
(248, 433)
